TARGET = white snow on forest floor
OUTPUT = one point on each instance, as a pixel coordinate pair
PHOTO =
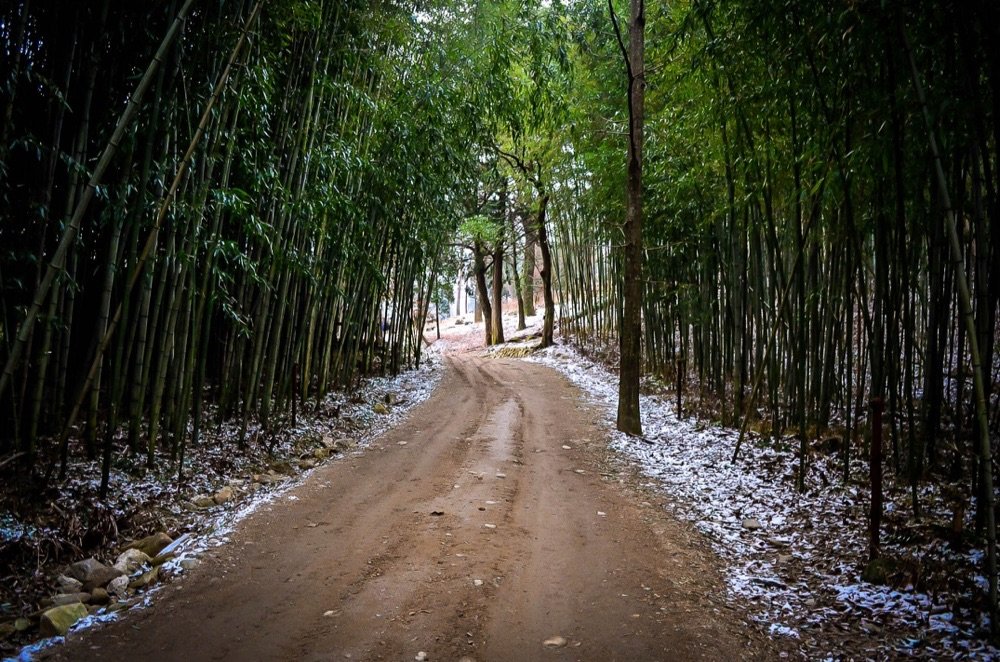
(215, 464)
(798, 574)
(793, 558)
(409, 388)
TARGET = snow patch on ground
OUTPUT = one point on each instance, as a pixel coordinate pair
(794, 558)
(212, 528)
(416, 386)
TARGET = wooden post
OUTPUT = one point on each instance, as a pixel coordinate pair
(875, 459)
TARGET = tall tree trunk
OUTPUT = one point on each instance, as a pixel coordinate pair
(630, 335)
(532, 171)
(548, 322)
(515, 278)
(498, 293)
(482, 292)
(968, 319)
(528, 272)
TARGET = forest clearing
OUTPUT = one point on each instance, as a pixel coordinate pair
(592, 329)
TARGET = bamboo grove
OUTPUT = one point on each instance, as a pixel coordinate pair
(819, 210)
(268, 220)
(797, 255)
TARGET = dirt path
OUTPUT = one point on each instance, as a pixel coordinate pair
(532, 542)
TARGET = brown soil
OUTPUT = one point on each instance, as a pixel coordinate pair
(361, 567)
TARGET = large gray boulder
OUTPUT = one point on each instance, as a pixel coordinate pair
(92, 573)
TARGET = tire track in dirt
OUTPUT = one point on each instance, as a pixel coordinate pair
(360, 567)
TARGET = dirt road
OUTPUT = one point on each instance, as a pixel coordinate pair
(484, 525)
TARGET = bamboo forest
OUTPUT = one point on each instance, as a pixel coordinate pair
(347, 317)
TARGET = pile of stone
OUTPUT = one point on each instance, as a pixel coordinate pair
(90, 587)
(311, 458)
(278, 472)
(210, 500)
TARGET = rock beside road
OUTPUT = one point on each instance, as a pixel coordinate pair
(57, 621)
(61, 599)
(151, 545)
(92, 573)
(344, 444)
(203, 501)
(68, 584)
(223, 495)
(145, 579)
(131, 560)
(118, 586)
